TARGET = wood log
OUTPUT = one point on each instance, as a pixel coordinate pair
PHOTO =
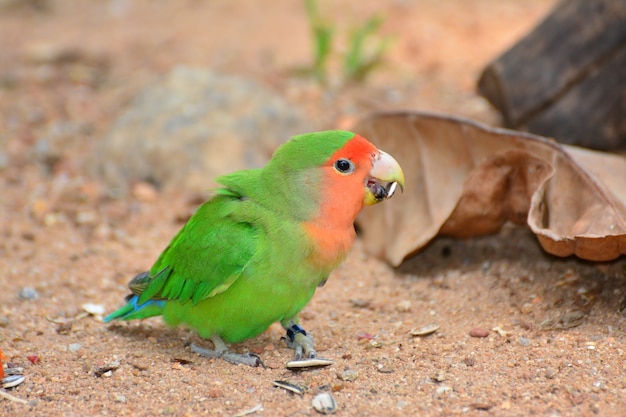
(567, 77)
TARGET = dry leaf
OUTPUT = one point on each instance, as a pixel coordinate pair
(465, 179)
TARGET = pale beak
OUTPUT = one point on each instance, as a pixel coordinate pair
(385, 177)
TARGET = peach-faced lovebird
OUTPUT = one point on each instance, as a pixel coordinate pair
(256, 251)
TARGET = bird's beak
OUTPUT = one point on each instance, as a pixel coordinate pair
(385, 177)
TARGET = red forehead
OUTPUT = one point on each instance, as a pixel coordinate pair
(356, 149)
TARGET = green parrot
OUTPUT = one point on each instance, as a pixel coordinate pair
(256, 251)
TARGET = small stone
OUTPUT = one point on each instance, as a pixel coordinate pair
(28, 293)
(444, 389)
(145, 192)
(34, 359)
(215, 392)
(469, 361)
(120, 398)
(74, 347)
(550, 373)
(479, 332)
(360, 303)
(375, 344)
(337, 386)
(4, 321)
(481, 406)
(86, 217)
(527, 308)
(524, 341)
(364, 336)
(403, 306)
(348, 375)
(440, 376)
(385, 369)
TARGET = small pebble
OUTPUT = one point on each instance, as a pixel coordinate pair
(348, 375)
(337, 386)
(74, 347)
(385, 369)
(403, 306)
(145, 192)
(469, 361)
(481, 406)
(440, 376)
(87, 217)
(4, 321)
(550, 373)
(34, 359)
(360, 303)
(479, 332)
(120, 398)
(375, 344)
(524, 341)
(28, 293)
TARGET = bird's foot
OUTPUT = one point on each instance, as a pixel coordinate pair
(301, 343)
(221, 351)
(305, 355)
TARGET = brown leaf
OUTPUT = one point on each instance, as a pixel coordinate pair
(465, 179)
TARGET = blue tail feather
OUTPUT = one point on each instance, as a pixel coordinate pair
(132, 310)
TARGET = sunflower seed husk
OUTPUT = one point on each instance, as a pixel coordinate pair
(93, 309)
(424, 330)
(18, 370)
(324, 403)
(309, 363)
(12, 381)
(297, 389)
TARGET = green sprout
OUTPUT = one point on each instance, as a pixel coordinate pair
(322, 40)
(357, 62)
(365, 51)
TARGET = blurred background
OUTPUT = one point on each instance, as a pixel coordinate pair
(69, 69)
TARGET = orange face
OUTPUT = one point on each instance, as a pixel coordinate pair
(358, 174)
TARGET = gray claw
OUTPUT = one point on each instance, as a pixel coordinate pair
(249, 359)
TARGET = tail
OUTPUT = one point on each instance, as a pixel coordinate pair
(132, 310)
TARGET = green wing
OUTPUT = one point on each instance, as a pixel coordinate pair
(205, 257)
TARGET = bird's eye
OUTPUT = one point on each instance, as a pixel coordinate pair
(344, 166)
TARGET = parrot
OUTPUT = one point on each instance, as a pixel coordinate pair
(256, 251)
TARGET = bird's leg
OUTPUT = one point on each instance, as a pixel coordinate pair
(221, 351)
(299, 341)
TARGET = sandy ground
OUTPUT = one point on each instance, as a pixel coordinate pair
(555, 337)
